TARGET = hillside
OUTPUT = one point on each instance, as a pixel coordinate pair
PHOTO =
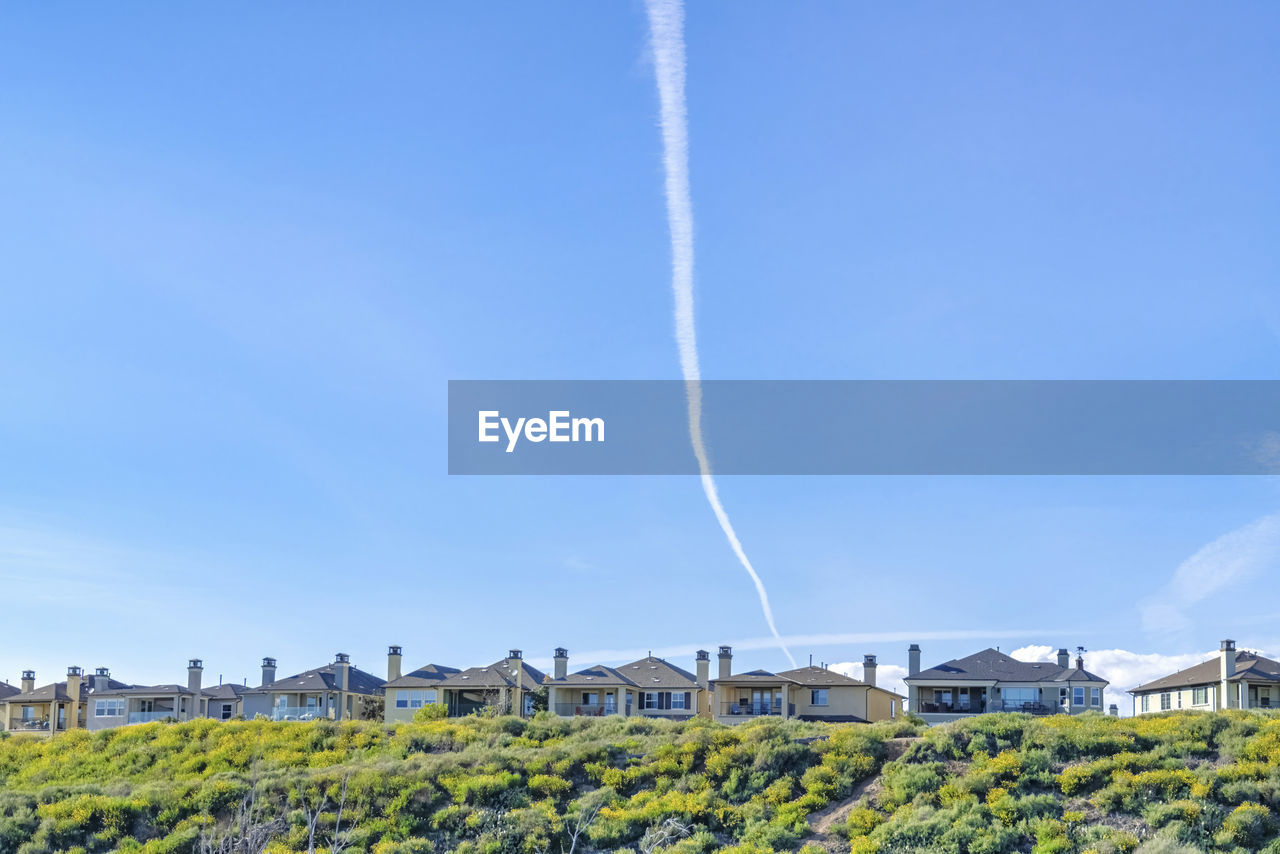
(992, 784)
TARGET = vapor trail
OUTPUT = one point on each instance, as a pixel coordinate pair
(666, 27)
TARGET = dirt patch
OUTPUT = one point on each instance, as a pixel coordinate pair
(821, 822)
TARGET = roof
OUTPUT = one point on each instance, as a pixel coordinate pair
(7, 690)
(754, 677)
(496, 675)
(598, 675)
(323, 679)
(992, 665)
(652, 673)
(428, 676)
(821, 677)
(225, 691)
(1249, 666)
(144, 691)
(53, 692)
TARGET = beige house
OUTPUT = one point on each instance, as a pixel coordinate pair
(112, 704)
(991, 681)
(337, 691)
(508, 685)
(1233, 680)
(406, 693)
(49, 709)
(649, 687)
(808, 693)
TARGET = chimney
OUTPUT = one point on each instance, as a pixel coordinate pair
(393, 663)
(342, 668)
(913, 660)
(869, 669)
(726, 662)
(562, 662)
(268, 671)
(1064, 658)
(1114, 711)
(28, 681)
(702, 664)
(1227, 658)
(100, 681)
(75, 678)
(195, 670)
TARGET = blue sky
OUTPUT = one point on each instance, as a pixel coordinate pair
(242, 252)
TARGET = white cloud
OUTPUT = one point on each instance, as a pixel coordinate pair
(1227, 561)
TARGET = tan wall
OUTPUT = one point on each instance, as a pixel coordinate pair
(1183, 698)
(842, 701)
(883, 706)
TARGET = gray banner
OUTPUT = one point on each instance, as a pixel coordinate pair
(1088, 427)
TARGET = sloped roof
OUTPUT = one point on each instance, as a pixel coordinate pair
(53, 692)
(991, 665)
(821, 677)
(597, 676)
(7, 690)
(145, 691)
(653, 673)
(323, 679)
(428, 676)
(755, 677)
(496, 675)
(225, 691)
(1249, 665)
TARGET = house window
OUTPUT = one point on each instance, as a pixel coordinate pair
(1062, 697)
(818, 697)
(590, 698)
(678, 699)
(1200, 696)
(1019, 696)
(227, 708)
(1165, 704)
(1095, 696)
(108, 708)
(1146, 702)
(652, 700)
(1077, 696)
(413, 699)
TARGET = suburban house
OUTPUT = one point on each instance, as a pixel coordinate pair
(649, 687)
(337, 691)
(991, 681)
(49, 709)
(113, 704)
(809, 693)
(408, 692)
(507, 684)
(1233, 680)
(825, 695)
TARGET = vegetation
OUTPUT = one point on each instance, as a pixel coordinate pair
(994, 783)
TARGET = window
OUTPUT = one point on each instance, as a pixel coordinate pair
(680, 700)
(1146, 702)
(1062, 696)
(1199, 696)
(818, 697)
(412, 699)
(590, 698)
(108, 708)
(651, 700)
(1077, 696)
(227, 708)
(28, 713)
(1095, 696)
(1019, 696)
(1164, 702)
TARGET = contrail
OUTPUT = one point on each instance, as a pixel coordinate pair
(666, 27)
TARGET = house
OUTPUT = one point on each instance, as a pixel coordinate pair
(825, 695)
(408, 692)
(809, 693)
(1233, 680)
(112, 704)
(649, 687)
(337, 691)
(991, 681)
(49, 709)
(507, 684)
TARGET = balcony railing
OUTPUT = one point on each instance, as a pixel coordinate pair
(148, 717)
(28, 725)
(586, 709)
(299, 713)
(1029, 708)
(750, 709)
